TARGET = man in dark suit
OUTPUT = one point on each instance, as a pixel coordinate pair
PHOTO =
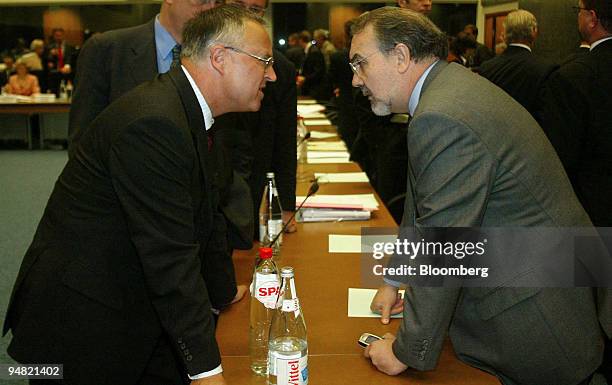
(312, 75)
(295, 53)
(482, 52)
(265, 141)
(8, 68)
(61, 57)
(518, 71)
(130, 255)
(576, 117)
(468, 166)
(114, 62)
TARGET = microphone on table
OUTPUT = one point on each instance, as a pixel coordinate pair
(314, 187)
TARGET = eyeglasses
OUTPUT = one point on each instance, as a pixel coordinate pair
(356, 65)
(252, 8)
(578, 9)
(268, 62)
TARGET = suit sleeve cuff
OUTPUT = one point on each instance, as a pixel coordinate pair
(216, 370)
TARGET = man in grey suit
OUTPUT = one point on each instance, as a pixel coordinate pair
(471, 166)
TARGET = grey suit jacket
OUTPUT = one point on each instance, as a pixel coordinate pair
(486, 162)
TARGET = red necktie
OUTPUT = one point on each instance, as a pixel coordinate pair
(210, 140)
(60, 58)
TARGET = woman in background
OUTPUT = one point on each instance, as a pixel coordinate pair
(22, 83)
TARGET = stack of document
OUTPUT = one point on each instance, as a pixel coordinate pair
(327, 146)
(318, 157)
(341, 177)
(332, 208)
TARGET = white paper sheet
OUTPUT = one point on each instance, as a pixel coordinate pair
(344, 243)
(317, 122)
(327, 154)
(306, 101)
(346, 201)
(341, 177)
(314, 115)
(327, 146)
(305, 109)
(322, 135)
(359, 303)
(328, 160)
(340, 243)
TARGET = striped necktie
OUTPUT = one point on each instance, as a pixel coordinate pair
(176, 56)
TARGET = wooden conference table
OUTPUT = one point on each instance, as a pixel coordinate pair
(322, 283)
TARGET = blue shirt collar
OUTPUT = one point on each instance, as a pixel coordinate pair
(416, 92)
(164, 42)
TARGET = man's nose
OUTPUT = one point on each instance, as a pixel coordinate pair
(270, 74)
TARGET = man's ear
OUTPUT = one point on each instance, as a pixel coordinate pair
(218, 57)
(402, 54)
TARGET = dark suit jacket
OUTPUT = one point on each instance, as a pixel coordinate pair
(296, 55)
(112, 63)
(130, 248)
(577, 119)
(521, 74)
(313, 70)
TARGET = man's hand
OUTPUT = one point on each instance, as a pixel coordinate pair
(381, 354)
(386, 302)
(292, 226)
(240, 292)
(217, 379)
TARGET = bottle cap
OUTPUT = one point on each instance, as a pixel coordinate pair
(265, 252)
(269, 175)
(287, 272)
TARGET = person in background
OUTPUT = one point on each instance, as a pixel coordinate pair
(482, 53)
(295, 53)
(265, 141)
(469, 167)
(518, 71)
(576, 118)
(35, 61)
(420, 6)
(7, 68)
(460, 48)
(321, 37)
(340, 76)
(311, 78)
(128, 262)
(576, 112)
(60, 60)
(22, 83)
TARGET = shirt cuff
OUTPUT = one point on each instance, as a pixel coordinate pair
(216, 370)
